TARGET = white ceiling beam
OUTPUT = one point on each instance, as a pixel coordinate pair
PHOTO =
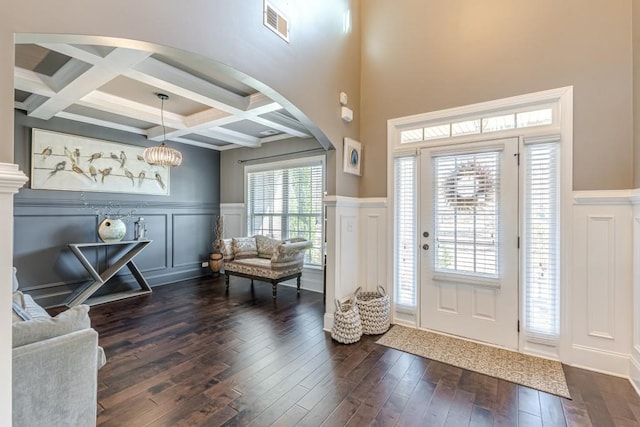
(286, 128)
(66, 74)
(113, 65)
(98, 122)
(194, 123)
(171, 79)
(124, 107)
(73, 52)
(232, 136)
(30, 81)
(259, 103)
(197, 143)
(273, 138)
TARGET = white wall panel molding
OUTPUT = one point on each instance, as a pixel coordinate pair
(234, 220)
(606, 197)
(373, 243)
(11, 179)
(601, 309)
(599, 360)
(601, 253)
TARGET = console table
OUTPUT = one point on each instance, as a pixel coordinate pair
(83, 293)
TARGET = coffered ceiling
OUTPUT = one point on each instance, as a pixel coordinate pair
(116, 87)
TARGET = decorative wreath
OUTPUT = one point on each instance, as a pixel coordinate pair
(461, 198)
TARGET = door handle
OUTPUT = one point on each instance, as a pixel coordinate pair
(425, 247)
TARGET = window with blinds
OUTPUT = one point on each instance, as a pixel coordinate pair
(466, 213)
(405, 244)
(541, 256)
(286, 202)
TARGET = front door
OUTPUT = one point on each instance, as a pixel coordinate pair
(469, 240)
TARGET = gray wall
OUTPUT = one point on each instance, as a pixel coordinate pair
(180, 225)
(232, 172)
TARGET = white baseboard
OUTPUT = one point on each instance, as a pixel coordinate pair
(605, 362)
(634, 373)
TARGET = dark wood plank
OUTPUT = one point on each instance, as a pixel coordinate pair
(529, 400)
(551, 410)
(192, 354)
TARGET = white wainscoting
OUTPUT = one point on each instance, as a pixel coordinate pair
(602, 278)
(356, 242)
(604, 294)
(234, 220)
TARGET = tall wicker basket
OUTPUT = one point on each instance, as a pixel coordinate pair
(347, 328)
(375, 311)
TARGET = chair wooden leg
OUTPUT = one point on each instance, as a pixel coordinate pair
(298, 280)
(226, 280)
(275, 289)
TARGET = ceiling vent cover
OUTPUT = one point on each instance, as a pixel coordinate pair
(276, 21)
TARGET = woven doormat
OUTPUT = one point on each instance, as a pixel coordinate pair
(535, 372)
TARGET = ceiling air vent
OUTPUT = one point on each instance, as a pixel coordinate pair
(275, 21)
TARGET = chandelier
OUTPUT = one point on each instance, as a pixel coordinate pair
(162, 155)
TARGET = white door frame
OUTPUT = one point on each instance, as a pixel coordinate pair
(562, 101)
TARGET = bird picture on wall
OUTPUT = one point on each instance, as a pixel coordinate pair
(58, 163)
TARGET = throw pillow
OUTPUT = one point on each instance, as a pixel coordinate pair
(266, 246)
(226, 248)
(74, 319)
(244, 247)
(18, 312)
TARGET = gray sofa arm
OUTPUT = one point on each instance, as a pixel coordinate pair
(55, 381)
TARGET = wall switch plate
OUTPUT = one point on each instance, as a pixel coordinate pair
(343, 98)
(205, 264)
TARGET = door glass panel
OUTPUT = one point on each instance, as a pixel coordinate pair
(467, 213)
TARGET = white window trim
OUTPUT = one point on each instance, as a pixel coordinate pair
(562, 101)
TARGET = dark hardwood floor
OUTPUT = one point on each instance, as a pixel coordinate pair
(190, 354)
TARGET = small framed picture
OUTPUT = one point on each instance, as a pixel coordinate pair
(352, 156)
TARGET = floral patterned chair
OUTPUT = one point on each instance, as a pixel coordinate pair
(264, 259)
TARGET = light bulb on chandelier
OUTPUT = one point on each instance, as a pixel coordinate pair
(162, 155)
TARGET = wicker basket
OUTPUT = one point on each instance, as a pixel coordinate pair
(374, 310)
(346, 322)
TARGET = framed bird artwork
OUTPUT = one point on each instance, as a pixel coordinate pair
(61, 161)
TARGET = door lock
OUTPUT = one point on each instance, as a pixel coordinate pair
(425, 234)
(425, 247)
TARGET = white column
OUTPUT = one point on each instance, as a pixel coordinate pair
(356, 248)
(11, 179)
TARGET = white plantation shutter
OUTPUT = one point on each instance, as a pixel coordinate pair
(541, 275)
(286, 202)
(405, 245)
(466, 213)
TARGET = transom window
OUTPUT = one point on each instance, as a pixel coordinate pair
(491, 123)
